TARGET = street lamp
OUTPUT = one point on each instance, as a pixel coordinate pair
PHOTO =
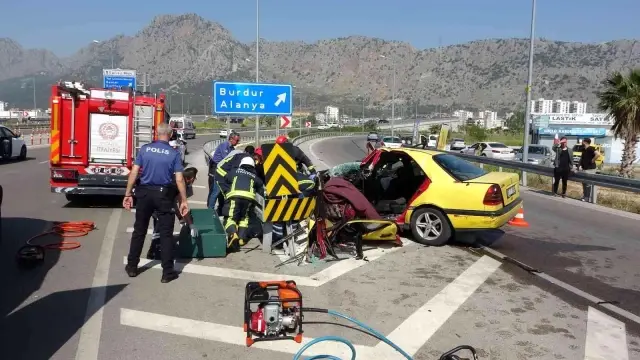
(527, 113)
(393, 96)
(112, 50)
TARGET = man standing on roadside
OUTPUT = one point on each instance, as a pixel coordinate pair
(220, 153)
(562, 165)
(587, 164)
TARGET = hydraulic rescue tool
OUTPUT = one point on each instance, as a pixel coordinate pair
(273, 311)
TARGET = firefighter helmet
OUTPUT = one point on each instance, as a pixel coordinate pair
(281, 139)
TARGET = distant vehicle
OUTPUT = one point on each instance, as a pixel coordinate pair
(490, 149)
(224, 133)
(11, 145)
(372, 136)
(184, 126)
(538, 155)
(382, 121)
(324, 127)
(181, 146)
(432, 141)
(457, 144)
(392, 142)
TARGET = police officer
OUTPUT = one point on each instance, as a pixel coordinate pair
(298, 155)
(240, 202)
(220, 153)
(155, 192)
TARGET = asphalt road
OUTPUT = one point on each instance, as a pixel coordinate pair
(81, 304)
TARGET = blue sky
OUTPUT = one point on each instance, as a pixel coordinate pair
(65, 28)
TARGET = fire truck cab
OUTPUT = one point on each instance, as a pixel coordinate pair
(95, 136)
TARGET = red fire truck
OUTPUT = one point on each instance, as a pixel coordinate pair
(95, 136)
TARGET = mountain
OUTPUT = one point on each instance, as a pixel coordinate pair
(187, 52)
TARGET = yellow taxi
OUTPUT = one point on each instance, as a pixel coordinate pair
(577, 153)
(435, 194)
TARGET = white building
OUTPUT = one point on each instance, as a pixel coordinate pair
(332, 113)
(560, 107)
(578, 107)
(463, 114)
(542, 106)
(321, 118)
(490, 119)
(3, 106)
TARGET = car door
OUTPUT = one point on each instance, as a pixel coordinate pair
(6, 143)
(16, 143)
(471, 150)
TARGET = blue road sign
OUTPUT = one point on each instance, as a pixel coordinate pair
(118, 79)
(252, 99)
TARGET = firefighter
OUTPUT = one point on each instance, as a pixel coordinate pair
(229, 163)
(220, 153)
(240, 202)
(156, 193)
(298, 155)
(190, 174)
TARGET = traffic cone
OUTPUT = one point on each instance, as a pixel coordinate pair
(518, 220)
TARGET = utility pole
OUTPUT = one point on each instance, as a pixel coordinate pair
(527, 114)
(34, 96)
(258, 67)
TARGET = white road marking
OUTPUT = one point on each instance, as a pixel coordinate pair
(593, 299)
(149, 231)
(606, 337)
(89, 342)
(418, 328)
(316, 280)
(199, 186)
(44, 162)
(313, 153)
(227, 334)
(426, 320)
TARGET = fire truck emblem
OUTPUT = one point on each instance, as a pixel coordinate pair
(108, 131)
(101, 108)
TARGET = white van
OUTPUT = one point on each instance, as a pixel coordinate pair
(433, 141)
(184, 126)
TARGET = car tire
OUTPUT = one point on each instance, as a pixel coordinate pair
(485, 155)
(23, 153)
(419, 216)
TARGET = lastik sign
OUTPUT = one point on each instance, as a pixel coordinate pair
(578, 119)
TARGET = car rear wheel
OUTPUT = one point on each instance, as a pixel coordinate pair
(429, 226)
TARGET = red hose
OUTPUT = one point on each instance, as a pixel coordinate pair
(66, 229)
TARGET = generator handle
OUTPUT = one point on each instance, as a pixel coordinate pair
(281, 284)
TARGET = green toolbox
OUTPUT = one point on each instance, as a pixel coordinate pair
(212, 241)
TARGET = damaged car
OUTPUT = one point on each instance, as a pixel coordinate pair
(433, 194)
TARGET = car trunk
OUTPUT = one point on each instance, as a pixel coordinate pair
(509, 184)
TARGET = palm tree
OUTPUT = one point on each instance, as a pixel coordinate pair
(621, 100)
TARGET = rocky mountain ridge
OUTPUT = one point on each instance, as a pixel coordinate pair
(187, 51)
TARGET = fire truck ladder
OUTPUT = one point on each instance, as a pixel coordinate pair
(143, 126)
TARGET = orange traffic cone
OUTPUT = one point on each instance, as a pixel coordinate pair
(518, 220)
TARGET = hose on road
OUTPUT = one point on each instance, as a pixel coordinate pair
(65, 229)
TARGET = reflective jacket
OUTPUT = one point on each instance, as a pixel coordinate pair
(245, 184)
(230, 162)
(305, 184)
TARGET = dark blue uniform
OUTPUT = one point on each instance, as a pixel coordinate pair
(155, 192)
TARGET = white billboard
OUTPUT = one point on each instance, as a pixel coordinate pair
(576, 119)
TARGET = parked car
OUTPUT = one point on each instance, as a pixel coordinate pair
(455, 196)
(11, 145)
(372, 136)
(490, 149)
(456, 144)
(538, 155)
(224, 133)
(391, 142)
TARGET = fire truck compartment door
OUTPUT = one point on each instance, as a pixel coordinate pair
(108, 141)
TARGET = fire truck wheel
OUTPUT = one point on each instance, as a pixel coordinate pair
(23, 153)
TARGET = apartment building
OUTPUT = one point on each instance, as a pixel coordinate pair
(4, 106)
(545, 106)
(332, 113)
(463, 114)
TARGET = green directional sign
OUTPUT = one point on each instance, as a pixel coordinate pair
(541, 121)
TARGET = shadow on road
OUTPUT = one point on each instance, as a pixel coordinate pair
(89, 201)
(15, 161)
(563, 260)
(35, 326)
